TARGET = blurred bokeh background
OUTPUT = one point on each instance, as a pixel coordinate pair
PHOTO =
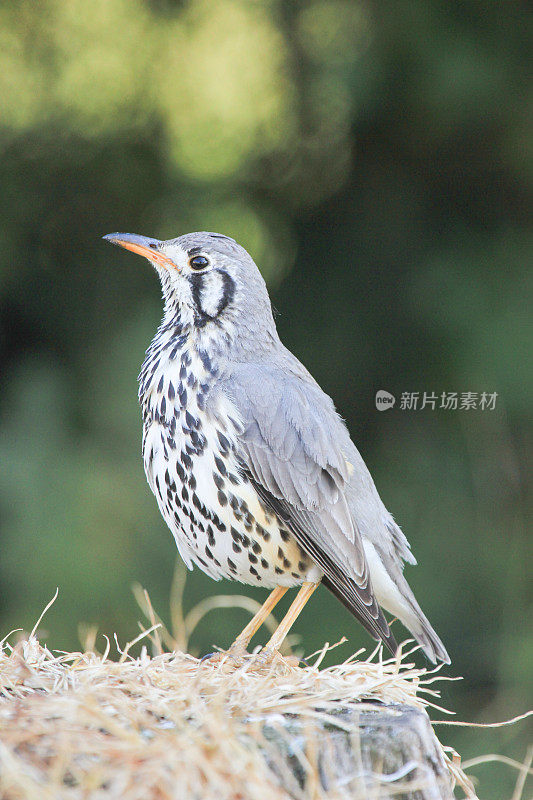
(376, 160)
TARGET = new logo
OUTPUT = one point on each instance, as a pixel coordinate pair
(384, 400)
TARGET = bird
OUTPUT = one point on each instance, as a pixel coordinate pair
(253, 469)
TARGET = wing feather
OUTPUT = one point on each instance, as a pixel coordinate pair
(290, 448)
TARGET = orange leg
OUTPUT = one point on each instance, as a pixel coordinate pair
(243, 639)
(289, 619)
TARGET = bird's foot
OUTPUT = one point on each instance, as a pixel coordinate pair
(270, 659)
(232, 658)
(266, 660)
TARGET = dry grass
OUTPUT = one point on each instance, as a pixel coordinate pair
(79, 725)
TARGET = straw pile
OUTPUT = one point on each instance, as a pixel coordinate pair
(167, 726)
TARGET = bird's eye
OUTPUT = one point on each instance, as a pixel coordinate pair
(198, 262)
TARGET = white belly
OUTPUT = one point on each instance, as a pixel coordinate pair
(214, 513)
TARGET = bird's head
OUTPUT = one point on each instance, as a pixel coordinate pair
(208, 279)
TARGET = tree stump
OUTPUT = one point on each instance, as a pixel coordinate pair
(377, 751)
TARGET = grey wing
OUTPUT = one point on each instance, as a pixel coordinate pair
(291, 448)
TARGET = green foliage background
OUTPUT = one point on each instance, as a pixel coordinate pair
(376, 160)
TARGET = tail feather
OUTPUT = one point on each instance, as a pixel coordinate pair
(421, 629)
(394, 594)
(383, 632)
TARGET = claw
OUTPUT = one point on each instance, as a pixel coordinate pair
(269, 658)
(232, 658)
(265, 660)
(207, 657)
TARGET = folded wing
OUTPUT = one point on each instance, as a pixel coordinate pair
(291, 448)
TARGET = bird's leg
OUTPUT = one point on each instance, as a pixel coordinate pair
(289, 619)
(243, 639)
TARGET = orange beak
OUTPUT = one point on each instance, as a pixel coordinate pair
(143, 246)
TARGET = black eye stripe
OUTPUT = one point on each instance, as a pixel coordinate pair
(228, 291)
(197, 284)
(199, 288)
